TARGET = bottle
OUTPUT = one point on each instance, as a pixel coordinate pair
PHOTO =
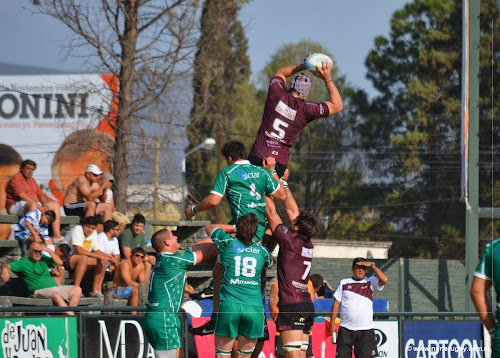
(334, 337)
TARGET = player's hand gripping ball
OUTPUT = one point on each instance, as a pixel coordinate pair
(316, 59)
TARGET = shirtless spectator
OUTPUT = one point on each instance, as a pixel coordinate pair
(133, 237)
(24, 195)
(129, 274)
(85, 254)
(80, 199)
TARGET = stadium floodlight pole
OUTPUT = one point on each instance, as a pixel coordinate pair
(207, 144)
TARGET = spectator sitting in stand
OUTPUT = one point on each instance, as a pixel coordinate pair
(108, 243)
(24, 195)
(85, 254)
(129, 274)
(107, 198)
(132, 237)
(57, 272)
(35, 273)
(81, 195)
(321, 286)
(34, 227)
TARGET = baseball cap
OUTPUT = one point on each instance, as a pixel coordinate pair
(108, 176)
(94, 169)
(301, 84)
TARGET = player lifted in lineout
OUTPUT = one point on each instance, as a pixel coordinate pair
(286, 112)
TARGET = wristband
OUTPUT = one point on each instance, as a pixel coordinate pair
(373, 263)
(194, 209)
(328, 81)
(284, 182)
(273, 171)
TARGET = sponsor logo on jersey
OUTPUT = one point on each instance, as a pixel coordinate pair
(285, 111)
(252, 250)
(238, 247)
(307, 252)
(237, 281)
(274, 136)
(244, 175)
(253, 205)
(299, 285)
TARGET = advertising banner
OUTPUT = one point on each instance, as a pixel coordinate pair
(108, 336)
(62, 122)
(39, 337)
(386, 332)
(455, 339)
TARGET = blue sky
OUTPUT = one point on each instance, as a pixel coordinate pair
(346, 28)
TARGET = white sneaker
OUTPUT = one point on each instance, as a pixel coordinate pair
(97, 294)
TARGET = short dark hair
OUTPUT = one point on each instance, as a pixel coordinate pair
(307, 225)
(317, 280)
(234, 149)
(356, 260)
(138, 250)
(65, 250)
(246, 228)
(157, 241)
(89, 220)
(27, 162)
(51, 214)
(109, 225)
(139, 218)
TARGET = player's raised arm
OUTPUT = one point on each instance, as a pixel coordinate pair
(270, 164)
(288, 71)
(210, 201)
(334, 103)
(272, 215)
(291, 207)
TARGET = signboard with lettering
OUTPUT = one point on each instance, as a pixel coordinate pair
(39, 337)
(386, 333)
(111, 336)
(62, 122)
(451, 339)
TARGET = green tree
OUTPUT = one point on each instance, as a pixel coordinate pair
(222, 68)
(411, 131)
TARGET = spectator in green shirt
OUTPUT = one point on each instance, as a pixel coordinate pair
(35, 273)
(133, 237)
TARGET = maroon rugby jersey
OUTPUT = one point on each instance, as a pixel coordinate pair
(294, 266)
(283, 119)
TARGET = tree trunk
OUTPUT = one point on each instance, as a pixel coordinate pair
(127, 73)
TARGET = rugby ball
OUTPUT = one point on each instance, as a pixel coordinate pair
(316, 59)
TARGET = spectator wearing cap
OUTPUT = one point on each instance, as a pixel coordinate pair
(82, 194)
(24, 195)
